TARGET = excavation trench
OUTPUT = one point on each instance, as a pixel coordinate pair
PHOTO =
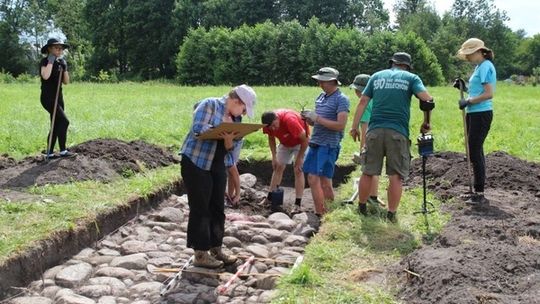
(127, 254)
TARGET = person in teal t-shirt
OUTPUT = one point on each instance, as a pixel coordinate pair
(359, 83)
(479, 107)
(388, 130)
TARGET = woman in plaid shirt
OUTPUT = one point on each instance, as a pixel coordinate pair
(204, 174)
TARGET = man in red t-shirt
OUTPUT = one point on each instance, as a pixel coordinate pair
(292, 132)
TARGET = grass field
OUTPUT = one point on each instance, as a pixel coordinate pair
(160, 114)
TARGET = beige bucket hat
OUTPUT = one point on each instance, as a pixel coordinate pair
(470, 46)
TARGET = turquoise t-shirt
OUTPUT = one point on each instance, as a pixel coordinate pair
(483, 73)
(367, 112)
(391, 92)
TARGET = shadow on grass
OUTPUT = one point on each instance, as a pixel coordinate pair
(380, 236)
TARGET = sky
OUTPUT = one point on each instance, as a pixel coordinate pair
(523, 14)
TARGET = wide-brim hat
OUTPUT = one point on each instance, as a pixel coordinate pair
(327, 74)
(360, 82)
(401, 58)
(471, 46)
(53, 41)
(247, 96)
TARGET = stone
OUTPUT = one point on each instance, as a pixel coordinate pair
(95, 291)
(31, 300)
(248, 180)
(73, 275)
(116, 272)
(230, 242)
(169, 214)
(133, 261)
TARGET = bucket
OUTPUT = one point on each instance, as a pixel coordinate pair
(276, 197)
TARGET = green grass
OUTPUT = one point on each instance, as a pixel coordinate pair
(62, 207)
(347, 244)
(160, 113)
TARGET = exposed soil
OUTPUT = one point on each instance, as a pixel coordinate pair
(483, 255)
(99, 159)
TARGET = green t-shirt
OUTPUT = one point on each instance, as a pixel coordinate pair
(391, 92)
(367, 112)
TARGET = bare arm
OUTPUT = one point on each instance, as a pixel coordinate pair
(65, 78)
(46, 71)
(426, 126)
(360, 108)
(338, 125)
(488, 94)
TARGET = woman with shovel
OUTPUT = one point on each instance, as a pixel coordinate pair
(53, 71)
(479, 108)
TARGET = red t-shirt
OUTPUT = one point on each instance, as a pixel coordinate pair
(291, 125)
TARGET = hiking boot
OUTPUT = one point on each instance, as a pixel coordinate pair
(296, 209)
(67, 153)
(391, 217)
(362, 209)
(204, 259)
(218, 254)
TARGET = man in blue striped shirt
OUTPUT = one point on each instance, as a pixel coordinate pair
(328, 119)
(204, 174)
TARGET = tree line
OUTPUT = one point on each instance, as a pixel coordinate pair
(259, 41)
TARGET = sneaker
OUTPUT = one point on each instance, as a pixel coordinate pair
(466, 195)
(362, 209)
(477, 200)
(67, 153)
(49, 155)
(391, 217)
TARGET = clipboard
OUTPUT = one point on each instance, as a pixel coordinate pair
(243, 129)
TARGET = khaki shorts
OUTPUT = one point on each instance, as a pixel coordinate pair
(285, 155)
(386, 143)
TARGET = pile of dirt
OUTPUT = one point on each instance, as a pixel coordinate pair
(6, 161)
(484, 254)
(99, 159)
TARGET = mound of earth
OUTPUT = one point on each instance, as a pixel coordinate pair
(483, 255)
(99, 159)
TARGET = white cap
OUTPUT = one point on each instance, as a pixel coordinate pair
(247, 96)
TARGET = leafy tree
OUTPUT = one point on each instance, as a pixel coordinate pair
(68, 16)
(368, 15)
(108, 36)
(418, 17)
(15, 59)
(528, 55)
(482, 19)
(150, 49)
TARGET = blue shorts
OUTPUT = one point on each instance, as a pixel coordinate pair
(321, 160)
(233, 156)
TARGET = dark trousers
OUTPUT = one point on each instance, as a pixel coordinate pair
(206, 196)
(478, 125)
(61, 121)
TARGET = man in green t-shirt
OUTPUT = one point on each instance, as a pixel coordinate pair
(359, 84)
(388, 129)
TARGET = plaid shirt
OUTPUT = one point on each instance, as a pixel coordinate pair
(208, 114)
